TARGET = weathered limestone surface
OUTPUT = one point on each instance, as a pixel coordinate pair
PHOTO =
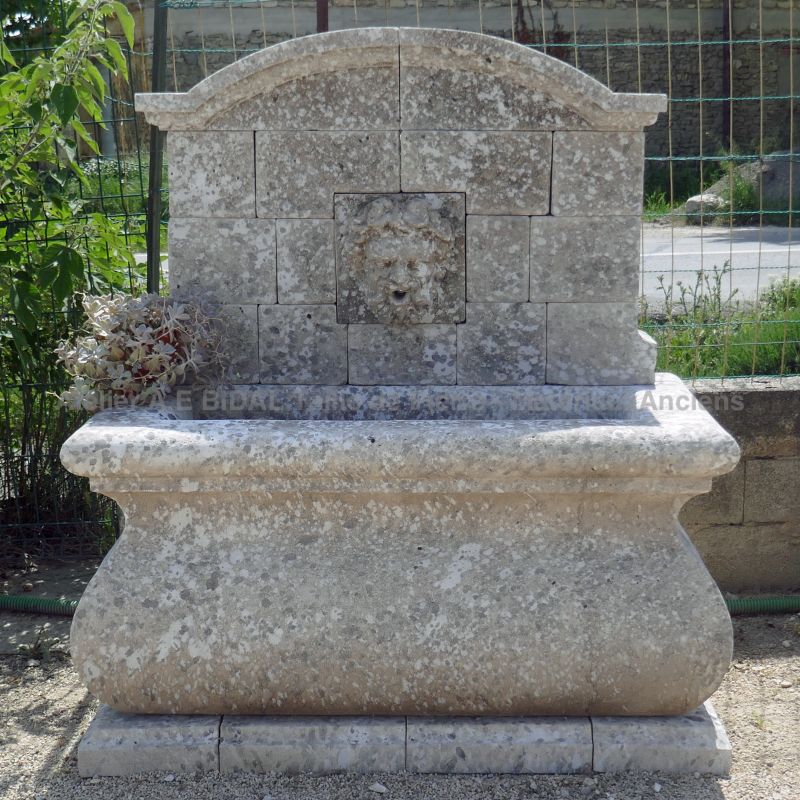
(499, 744)
(309, 65)
(503, 533)
(597, 343)
(362, 97)
(406, 402)
(429, 127)
(307, 261)
(390, 355)
(211, 174)
(597, 173)
(517, 86)
(298, 172)
(127, 744)
(502, 343)
(694, 742)
(400, 258)
(457, 80)
(584, 259)
(302, 344)
(484, 573)
(239, 324)
(501, 172)
(499, 259)
(436, 94)
(318, 745)
(228, 260)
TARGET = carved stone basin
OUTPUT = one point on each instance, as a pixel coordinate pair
(520, 557)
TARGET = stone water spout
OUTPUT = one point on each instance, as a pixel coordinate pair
(442, 477)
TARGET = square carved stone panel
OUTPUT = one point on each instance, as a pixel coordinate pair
(400, 258)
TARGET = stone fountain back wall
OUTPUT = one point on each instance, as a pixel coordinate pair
(414, 216)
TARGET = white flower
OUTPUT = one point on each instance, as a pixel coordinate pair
(139, 348)
(81, 396)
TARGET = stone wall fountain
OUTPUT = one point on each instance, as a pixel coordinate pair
(431, 521)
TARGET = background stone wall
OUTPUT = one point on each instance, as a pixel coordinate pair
(748, 528)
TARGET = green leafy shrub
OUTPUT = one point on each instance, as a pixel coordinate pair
(52, 246)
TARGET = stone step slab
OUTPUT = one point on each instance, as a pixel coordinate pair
(129, 744)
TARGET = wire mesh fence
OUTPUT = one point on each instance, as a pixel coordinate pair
(720, 289)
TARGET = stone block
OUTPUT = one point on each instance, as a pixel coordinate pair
(318, 745)
(455, 80)
(498, 259)
(239, 325)
(400, 258)
(752, 557)
(399, 355)
(694, 742)
(499, 745)
(442, 88)
(298, 172)
(127, 744)
(584, 260)
(306, 261)
(502, 343)
(772, 489)
(211, 174)
(723, 504)
(597, 173)
(597, 344)
(762, 414)
(361, 97)
(302, 344)
(502, 172)
(228, 260)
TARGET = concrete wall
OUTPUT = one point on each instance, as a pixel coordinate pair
(748, 528)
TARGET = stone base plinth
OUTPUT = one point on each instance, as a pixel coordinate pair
(126, 744)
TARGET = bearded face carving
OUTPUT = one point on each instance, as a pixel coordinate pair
(400, 258)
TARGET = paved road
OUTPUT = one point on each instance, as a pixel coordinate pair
(756, 258)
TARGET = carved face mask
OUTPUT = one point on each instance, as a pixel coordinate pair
(402, 273)
(400, 258)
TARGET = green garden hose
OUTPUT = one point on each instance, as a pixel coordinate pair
(764, 604)
(758, 604)
(37, 605)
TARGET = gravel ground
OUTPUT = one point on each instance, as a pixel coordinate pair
(44, 711)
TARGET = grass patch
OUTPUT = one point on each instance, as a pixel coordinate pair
(656, 206)
(703, 333)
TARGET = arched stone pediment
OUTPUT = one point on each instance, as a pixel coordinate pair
(399, 78)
